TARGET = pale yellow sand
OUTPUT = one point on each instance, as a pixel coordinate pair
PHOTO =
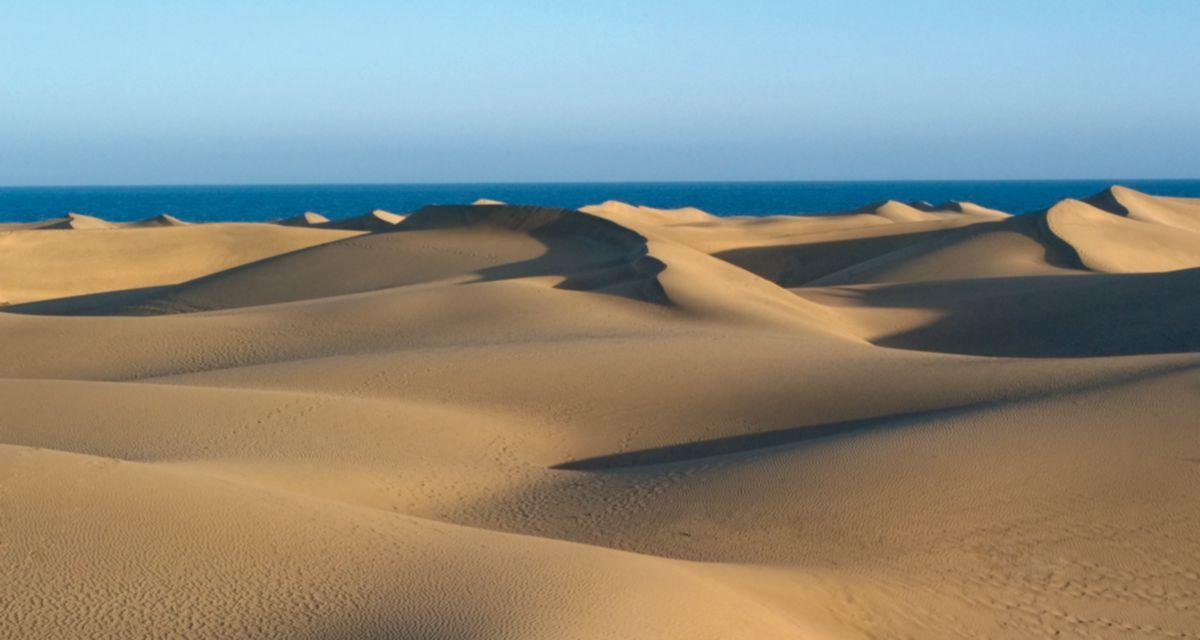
(306, 219)
(377, 220)
(37, 264)
(69, 221)
(520, 422)
(162, 220)
(1108, 242)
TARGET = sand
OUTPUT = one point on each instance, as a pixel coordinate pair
(306, 219)
(496, 421)
(376, 220)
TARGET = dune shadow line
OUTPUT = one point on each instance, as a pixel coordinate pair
(689, 451)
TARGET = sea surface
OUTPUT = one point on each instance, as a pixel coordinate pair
(269, 202)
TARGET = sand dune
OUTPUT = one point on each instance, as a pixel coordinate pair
(377, 220)
(713, 234)
(897, 212)
(813, 256)
(436, 243)
(1027, 316)
(970, 208)
(162, 220)
(1183, 213)
(1007, 247)
(69, 221)
(38, 266)
(1112, 243)
(504, 421)
(306, 219)
(635, 215)
(266, 563)
(576, 251)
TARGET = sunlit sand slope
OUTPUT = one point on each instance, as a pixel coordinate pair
(44, 264)
(502, 421)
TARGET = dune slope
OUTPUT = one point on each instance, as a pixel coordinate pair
(1135, 233)
(37, 265)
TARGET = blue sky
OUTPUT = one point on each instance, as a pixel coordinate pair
(133, 92)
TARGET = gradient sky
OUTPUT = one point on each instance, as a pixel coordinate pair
(140, 92)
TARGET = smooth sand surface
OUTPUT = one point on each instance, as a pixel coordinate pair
(48, 263)
(495, 421)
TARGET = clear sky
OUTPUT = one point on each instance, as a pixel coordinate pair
(142, 92)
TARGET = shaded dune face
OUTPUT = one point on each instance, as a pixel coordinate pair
(905, 252)
(163, 220)
(1055, 316)
(506, 421)
(588, 252)
(950, 271)
(306, 219)
(452, 244)
(1182, 213)
(377, 220)
(567, 250)
(1109, 242)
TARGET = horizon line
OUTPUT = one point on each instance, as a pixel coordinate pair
(168, 185)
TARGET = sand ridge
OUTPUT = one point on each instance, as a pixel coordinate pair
(306, 219)
(375, 220)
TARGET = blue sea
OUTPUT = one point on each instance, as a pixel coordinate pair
(269, 202)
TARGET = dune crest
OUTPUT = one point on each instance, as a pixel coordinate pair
(569, 250)
(37, 266)
(161, 220)
(1183, 213)
(896, 211)
(1136, 242)
(956, 206)
(376, 220)
(306, 219)
(629, 213)
(69, 221)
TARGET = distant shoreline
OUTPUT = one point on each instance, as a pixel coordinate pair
(264, 202)
(524, 183)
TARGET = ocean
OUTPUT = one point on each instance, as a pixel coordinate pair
(269, 202)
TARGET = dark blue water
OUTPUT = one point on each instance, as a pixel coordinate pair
(268, 202)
